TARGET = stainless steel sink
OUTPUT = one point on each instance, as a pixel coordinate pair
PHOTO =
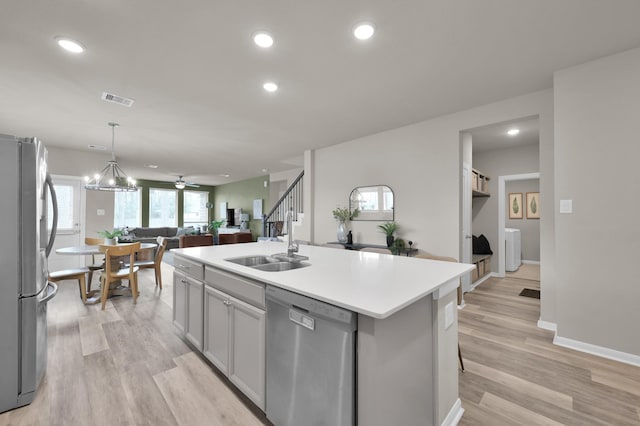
(280, 266)
(252, 260)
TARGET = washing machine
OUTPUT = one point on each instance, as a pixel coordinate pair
(513, 253)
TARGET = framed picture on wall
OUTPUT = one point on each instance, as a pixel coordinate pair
(533, 205)
(515, 205)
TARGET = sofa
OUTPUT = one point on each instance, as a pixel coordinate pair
(195, 240)
(238, 237)
(150, 235)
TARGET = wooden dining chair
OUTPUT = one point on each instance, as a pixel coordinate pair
(113, 272)
(96, 264)
(72, 274)
(156, 263)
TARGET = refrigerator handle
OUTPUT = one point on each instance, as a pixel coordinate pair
(54, 203)
(52, 294)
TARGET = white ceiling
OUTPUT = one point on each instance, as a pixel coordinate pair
(495, 136)
(196, 76)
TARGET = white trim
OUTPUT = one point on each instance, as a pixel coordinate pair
(546, 325)
(481, 280)
(531, 262)
(600, 351)
(455, 414)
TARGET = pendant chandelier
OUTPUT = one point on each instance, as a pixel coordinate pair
(112, 177)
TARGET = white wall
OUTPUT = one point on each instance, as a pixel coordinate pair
(422, 164)
(79, 163)
(597, 107)
(502, 162)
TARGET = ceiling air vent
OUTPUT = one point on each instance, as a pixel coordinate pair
(110, 97)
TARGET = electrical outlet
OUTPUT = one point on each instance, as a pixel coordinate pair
(100, 212)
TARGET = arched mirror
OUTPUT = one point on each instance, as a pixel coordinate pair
(372, 203)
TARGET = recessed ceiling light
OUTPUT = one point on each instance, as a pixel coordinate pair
(363, 31)
(98, 147)
(270, 86)
(70, 45)
(151, 166)
(264, 170)
(263, 39)
(513, 132)
(225, 175)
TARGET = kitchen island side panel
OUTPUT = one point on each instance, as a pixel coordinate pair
(395, 367)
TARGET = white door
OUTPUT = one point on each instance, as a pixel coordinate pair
(70, 196)
(467, 248)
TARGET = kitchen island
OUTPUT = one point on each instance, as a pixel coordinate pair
(407, 321)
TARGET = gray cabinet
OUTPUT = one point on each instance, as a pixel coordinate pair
(194, 326)
(188, 300)
(179, 300)
(234, 334)
(247, 350)
(216, 328)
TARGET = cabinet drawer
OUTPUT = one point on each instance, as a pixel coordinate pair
(244, 289)
(189, 267)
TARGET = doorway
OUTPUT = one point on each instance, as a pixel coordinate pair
(70, 193)
(502, 213)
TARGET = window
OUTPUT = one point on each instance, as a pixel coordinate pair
(162, 207)
(195, 208)
(127, 209)
(64, 196)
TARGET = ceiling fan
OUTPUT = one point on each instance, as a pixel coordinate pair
(181, 184)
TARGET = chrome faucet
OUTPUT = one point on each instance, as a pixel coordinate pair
(292, 247)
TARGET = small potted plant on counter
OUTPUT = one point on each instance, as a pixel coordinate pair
(110, 237)
(389, 228)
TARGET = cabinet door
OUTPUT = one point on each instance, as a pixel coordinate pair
(195, 300)
(247, 354)
(216, 328)
(179, 301)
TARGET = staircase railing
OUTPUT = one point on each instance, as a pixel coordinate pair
(272, 222)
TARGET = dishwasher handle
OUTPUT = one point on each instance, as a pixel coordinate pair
(302, 319)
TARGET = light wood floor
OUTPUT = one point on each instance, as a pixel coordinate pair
(126, 365)
(516, 376)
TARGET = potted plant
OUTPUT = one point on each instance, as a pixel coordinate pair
(213, 228)
(110, 236)
(388, 228)
(397, 246)
(343, 215)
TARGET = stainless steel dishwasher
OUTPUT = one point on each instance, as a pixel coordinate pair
(310, 361)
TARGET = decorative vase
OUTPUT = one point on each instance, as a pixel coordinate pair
(390, 239)
(110, 241)
(342, 232)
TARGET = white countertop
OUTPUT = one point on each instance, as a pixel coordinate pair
(372, 284)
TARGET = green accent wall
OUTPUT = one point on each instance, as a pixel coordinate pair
(144, 189)
(241, 195)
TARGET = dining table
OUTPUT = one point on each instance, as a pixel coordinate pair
(116, 288)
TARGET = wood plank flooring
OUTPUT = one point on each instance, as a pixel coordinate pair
(515, 375)
(127, 366)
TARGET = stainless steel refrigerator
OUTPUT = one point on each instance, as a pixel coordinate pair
(25, 187)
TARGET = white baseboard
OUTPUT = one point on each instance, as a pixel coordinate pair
(597, 350)
(546, 325)
(481, 280)
(531, 262)
(455, 414)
